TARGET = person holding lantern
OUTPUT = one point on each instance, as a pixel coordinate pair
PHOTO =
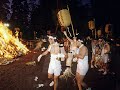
(82, 64)
(70, 56)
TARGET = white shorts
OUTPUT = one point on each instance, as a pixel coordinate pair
(82, 66)
(54, 66)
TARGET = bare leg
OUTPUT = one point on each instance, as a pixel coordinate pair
(78, 81)
(105, 69)
(92, 61)
(51, 81)
(55, 82)
(50, 76)
(82, 82)
(95, 63)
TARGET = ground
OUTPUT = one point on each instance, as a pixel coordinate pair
(20, 75)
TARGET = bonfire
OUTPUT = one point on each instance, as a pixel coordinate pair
(10, 46)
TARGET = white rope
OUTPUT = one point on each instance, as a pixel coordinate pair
(67, 73)
(69, 31)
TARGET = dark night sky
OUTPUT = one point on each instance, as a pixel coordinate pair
(103, 11)
(108, 11)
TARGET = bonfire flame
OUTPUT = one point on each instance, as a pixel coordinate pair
(10, 47)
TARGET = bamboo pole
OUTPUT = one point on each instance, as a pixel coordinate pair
(69, 31)
(71, 23)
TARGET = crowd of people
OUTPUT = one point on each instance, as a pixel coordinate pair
(100, 55)
(86, 52)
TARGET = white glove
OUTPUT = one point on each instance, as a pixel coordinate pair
(39, 58)
(74, 59)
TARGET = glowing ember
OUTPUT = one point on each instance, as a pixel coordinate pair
(10, 47)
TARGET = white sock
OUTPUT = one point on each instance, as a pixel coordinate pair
(51, 84)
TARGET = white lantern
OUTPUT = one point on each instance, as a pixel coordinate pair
(64, 17)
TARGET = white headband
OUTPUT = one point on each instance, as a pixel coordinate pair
(51, 37)
(80, 40)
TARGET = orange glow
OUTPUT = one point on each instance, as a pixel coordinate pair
(10, 47)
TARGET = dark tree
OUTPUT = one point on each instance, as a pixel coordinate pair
(4, 9)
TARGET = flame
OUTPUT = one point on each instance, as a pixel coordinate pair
(10, 47)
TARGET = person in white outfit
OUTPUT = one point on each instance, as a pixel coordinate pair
(73, 49)
(82, 66)
(55, 63)
(70, 55)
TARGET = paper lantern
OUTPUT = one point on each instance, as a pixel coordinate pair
(107, 28)
(99, 32)
(64, 17)
(91, 25)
